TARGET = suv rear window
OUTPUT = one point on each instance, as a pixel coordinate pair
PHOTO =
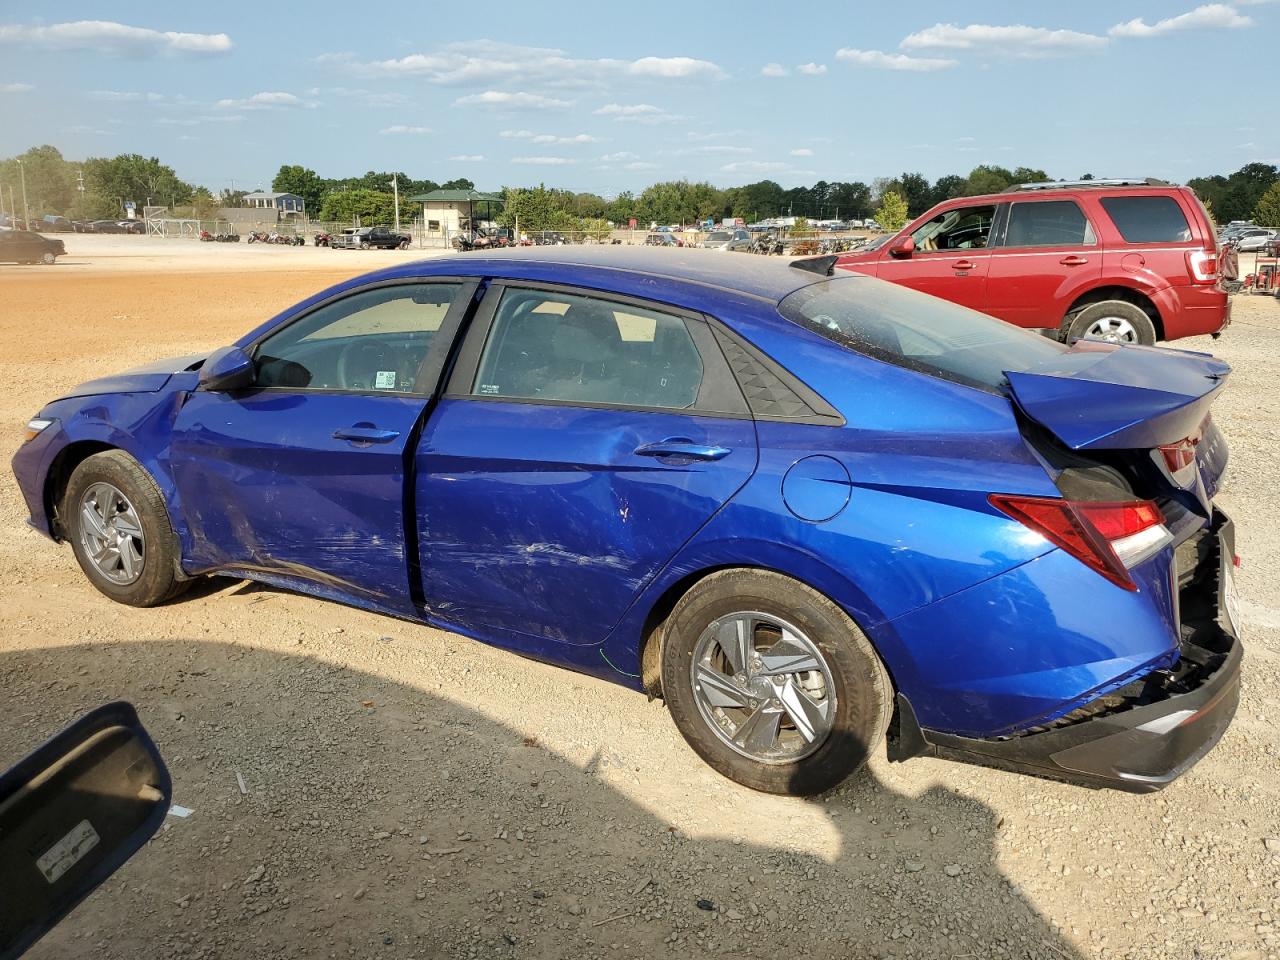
(1148, 219)
(917, 331)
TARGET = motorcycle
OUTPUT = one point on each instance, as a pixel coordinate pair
(322, 239)
(206, 236)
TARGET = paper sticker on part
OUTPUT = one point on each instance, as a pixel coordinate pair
(385, 380)
(68, 851)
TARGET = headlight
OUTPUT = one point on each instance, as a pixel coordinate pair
(36, 426)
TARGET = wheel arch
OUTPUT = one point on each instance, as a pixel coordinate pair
(1141, 299)
(59, 473)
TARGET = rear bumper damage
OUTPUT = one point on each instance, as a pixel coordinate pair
(1144, 735)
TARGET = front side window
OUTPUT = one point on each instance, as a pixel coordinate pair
(567, 347)
(1148, 219)
(374, 341)
(1048, 223)
(964, 228)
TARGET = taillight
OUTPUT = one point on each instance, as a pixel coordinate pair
(1203, 266)
(1180, 457)
(1109, 538)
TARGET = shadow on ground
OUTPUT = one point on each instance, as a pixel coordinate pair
(379, 820)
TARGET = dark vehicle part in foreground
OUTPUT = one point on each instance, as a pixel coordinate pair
(806, 510)
(71, 814)
(25, 246)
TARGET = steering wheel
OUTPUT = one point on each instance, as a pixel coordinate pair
(357, 364)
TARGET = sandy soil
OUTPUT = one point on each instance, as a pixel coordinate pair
(408, 793)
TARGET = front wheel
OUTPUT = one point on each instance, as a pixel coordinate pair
(1114, 321)
(116, 520)
(772, 684)
(48, 259)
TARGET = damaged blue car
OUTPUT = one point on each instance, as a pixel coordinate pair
(820, 516)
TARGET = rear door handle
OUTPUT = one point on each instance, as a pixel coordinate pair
(962, 265)
(1074, 261)
(362, 433)
(683, 447)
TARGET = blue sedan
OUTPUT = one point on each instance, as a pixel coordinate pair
(819, 516)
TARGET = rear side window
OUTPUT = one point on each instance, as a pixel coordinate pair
(1048, 223)
(1148, 219)
(919, 332)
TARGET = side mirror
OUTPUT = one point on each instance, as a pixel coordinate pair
(902, 248)
(71, 814)
(228, 368)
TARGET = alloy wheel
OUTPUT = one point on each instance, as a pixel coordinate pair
(763, 687)
(1112, 330)
(111, 534)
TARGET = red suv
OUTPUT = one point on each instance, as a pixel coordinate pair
(1131, 261)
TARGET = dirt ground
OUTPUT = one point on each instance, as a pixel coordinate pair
(409, 793)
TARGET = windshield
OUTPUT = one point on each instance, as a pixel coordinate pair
(719, 235)
(917, 331)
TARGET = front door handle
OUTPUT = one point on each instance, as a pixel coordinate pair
(1074, 261)
(683, 447)
(365, 433)
(962, 265)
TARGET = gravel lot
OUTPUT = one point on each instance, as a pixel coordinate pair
(409, 793)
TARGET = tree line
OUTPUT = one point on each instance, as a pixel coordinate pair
(99, 186)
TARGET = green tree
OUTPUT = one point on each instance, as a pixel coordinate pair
(137, 178)
(1267, 212)
(1030, 175)
(301, 181)
(892, 212)
(51, 180)
(949, 187)
(372, 207)
(986, 178)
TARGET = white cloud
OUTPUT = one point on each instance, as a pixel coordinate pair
(641, 165)
(617, 157)
(773, 70)
(267, 100)
(892, 61)
(487, 61)
(402, 128)
(753, 166)
(1016, 40)
(95, 131)
(812, 69)
(802, 152)
(637, 113)
(547, 137)
(544, 161)
(106, 36)
(16, 87)
(519, 100)
(1208, 16)
(125, 96)
(468, 158)
(722, 148)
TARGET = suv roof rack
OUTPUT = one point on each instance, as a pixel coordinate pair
(1075, 184)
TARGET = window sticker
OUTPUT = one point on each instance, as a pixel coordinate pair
(491, 389)
(384, 380)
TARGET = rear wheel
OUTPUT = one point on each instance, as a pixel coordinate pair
(1115, 321)
(118, 526)
(772, 684)
(48, 259)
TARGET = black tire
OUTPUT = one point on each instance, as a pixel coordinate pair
(863, 690)
(158, 580)
(1080, 321)
(364, 245)
(49, 259)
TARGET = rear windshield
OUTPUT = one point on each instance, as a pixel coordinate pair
(1148, 219)
(917, 331)
(719, 236)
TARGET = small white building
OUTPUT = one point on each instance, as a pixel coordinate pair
(284, 204)
(448, 212)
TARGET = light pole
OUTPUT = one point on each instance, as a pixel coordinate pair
(395, 190)
(26, 211)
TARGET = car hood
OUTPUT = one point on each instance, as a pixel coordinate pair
(1105, 397)
(147, 378)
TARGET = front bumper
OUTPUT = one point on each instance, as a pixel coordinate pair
(1144, 735)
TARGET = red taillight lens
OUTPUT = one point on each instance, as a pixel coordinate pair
(1178, 456)
(1203, 266)
(1106, 537)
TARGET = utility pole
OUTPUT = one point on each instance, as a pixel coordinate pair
(395, 189)
(80, 187)
(26, 210)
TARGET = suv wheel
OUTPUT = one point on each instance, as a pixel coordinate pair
(1115, 321)
(772, 684)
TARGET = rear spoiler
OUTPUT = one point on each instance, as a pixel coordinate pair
(823, 266)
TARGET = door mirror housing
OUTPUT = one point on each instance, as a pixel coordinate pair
(902, 248)
(228, 368)
(71, 814)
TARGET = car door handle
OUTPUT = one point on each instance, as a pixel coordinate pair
(683, 447)
(962, 265)
(365, 434)
(1074, 261)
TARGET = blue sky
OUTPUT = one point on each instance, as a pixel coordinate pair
(610, 96)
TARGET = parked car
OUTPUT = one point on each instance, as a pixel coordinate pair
(729, 240)
(1119, 260)
(131, 226)
(661, 240)
(1272, 248)
(805, 510)
(1251, 241)
(365, 237)
(26, 246)
(105, 226)
(52, 224)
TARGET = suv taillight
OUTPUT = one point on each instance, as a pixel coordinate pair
(1203, 266)
(1109, 538)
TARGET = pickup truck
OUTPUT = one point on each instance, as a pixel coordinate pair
(363, 238)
